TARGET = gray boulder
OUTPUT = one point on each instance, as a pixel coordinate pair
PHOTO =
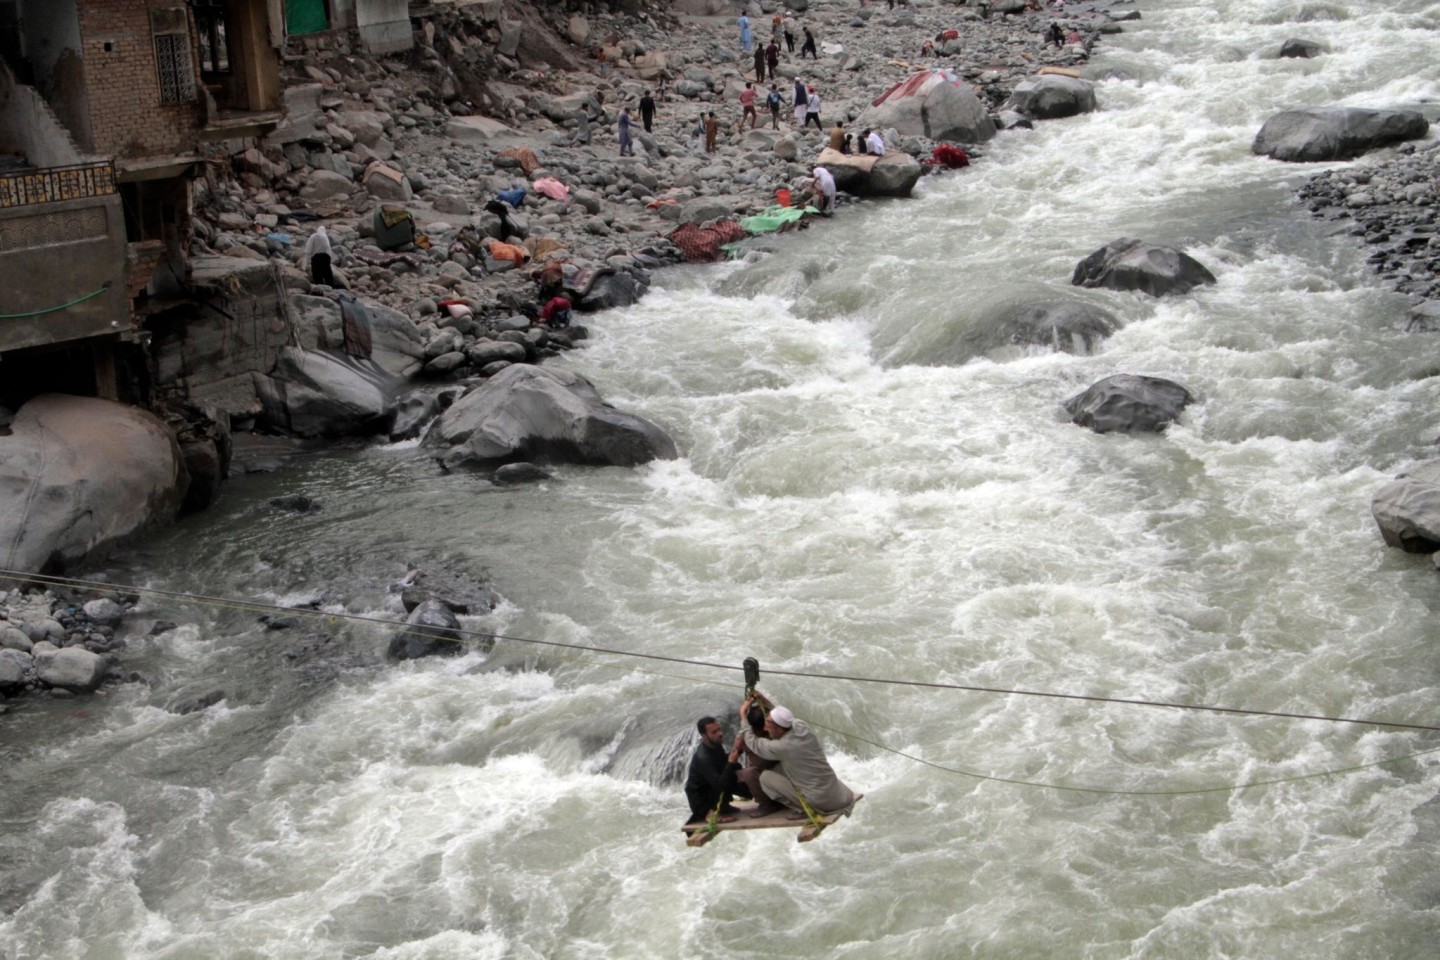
(431, 631)
(15, 667)
(1299, 49)
(412, 412)
(1067, 326)
(610, 289)
(513, 474)
(73, 668)
(1052, 96)
(104, 611)
(934, 103)
(79, 475)
(482, 352)
(526, 413)
(1127, 264)
(1407, 509)
(1335, 133)
(314, 393)
(1423, 317)
(1127, 403)
(861, 175)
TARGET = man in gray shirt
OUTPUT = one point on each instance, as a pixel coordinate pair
(802, 769)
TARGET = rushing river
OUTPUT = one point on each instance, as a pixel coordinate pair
(861, 494)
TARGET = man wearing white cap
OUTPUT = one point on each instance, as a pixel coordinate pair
(802, 769)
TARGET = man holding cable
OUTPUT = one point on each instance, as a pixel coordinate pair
(801, 770)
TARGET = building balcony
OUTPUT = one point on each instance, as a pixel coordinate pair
(62, 254)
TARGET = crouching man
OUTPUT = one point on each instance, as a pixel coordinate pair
(801, 770)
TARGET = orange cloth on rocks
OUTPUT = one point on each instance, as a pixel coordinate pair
(508, 251)
(529, 163)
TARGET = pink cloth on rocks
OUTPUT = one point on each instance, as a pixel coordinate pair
(552, 188)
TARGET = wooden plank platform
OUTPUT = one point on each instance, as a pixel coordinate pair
(699, 833)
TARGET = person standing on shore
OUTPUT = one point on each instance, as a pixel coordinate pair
(775, 30)
(745, 38)
(772, 100)
(712, 130)
(759, 63)
(789, 27)
(317, 248)
(647, 110)
(802, 99)
(837, 137)
(1055, 35)
(747, 105)
(809, 45)
(772, 58)
(627, 145)
(812, 110)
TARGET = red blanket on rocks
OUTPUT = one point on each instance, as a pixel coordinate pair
(700, 244)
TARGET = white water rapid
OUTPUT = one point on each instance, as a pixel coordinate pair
(858, 494)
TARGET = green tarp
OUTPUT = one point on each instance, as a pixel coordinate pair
(774, 218)
(305, 16)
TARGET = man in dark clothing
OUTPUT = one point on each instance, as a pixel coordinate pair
(647, 110)
(712, 774)
(808, 46)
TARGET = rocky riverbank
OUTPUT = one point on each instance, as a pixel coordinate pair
(59, 642)
(1393, 205)
(495, 100)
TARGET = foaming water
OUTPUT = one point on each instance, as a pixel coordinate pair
(868, 487)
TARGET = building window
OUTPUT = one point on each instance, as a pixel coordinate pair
(171, 29)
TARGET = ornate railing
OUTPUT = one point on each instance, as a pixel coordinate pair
(54, 184)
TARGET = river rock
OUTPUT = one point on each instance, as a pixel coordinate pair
(1423, 317)
(431, 631)
(15, 668)
(1127, 264)
(412, 412)
(483, 352)
(1299, 49)
(1052, 96)
(104, 611)
(13, 638)
(196, 702)
(1407, 509)
(1127, 403)
(516, 473)
(527, 412)
(1067, 326)
(862, 175)
(1335, 133)
(324, 184)
(932, 103)
(73, 668)
(321, 394)
(613, 288)
(384, 182)
(79, 475)
(460, 594)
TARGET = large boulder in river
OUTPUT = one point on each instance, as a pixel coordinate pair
(315, 393)
(79, 475)
(936, 104)
(1127, 403)
(862, 175)
(1295, 48)
(73, 668)
(527, 413)
(431, 630)
(1407, 509)
(1067, 326)
(1051, 97)
(1335, 133)
(1127, 264)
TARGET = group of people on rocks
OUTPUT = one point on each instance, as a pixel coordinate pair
(782, 25)
(784, 769)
